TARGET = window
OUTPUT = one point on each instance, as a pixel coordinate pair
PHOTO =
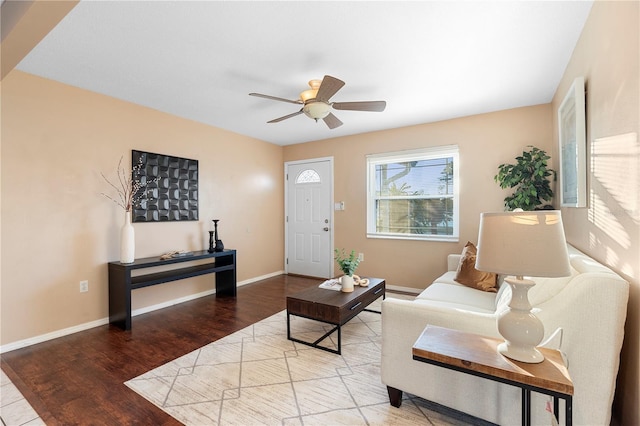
(413, 194)
(308, 176)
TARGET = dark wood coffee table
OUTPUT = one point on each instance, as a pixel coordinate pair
(332, 307)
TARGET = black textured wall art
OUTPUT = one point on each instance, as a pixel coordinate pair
(168, 187)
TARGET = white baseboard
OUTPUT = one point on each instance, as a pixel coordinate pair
(103, 321)
(53, 335)
(411, 290)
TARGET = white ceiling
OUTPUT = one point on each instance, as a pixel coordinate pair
(430, 60)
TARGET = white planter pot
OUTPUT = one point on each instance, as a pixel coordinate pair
(347, 283)
(127, 240)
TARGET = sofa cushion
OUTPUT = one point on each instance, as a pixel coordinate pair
(468, 275)
(463, 309)
(446, 290)
(447, 278)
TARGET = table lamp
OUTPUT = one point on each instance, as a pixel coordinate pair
(522, 244)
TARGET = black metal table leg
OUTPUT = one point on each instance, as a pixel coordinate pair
(526, 407)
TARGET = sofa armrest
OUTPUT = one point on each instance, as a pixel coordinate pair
(402, 323)
(452, 261)
(410, 317)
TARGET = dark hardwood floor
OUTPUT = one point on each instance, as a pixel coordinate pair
(79, 379)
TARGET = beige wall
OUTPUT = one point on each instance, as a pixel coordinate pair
(57, 229)
(485, 141)
(56, 140)
(609, 229)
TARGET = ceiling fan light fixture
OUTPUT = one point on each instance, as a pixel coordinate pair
(311, 93)
(316, 105)
(308, 94)
(316, 110)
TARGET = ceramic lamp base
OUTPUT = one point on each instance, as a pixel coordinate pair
(521, 329)
(521, 353)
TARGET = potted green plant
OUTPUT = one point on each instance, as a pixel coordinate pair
(530, 178)
(348, 265)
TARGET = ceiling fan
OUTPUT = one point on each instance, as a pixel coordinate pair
(315, 102)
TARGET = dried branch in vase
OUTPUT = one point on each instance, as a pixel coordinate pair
(130, 190)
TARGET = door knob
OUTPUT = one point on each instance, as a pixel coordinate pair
(326, 228)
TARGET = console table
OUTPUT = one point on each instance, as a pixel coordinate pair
(121, 282)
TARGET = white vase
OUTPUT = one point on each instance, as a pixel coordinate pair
(347, 283)
(521, 329)
(127, 240)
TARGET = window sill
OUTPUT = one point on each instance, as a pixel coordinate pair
(439, 238)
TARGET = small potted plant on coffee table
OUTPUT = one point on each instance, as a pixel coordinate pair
(348, 265)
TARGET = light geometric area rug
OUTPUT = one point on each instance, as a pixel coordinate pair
(256, 376)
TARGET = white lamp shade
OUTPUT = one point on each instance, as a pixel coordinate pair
(523, 244)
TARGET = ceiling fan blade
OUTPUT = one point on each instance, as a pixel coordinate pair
(277, 120)
(275, 98)
(361, 106)
(328, 88)
(332, 121)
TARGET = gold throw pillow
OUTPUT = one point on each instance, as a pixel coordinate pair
(468, 275)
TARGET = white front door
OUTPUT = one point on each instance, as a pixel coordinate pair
(308, 217)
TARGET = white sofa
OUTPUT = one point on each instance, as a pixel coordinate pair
(590, 306)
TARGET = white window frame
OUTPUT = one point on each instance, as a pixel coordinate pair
(405, 156)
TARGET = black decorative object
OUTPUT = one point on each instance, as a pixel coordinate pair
(219, 246)
(170, 192)
(211, 248)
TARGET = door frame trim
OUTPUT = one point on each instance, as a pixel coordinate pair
(286, 203)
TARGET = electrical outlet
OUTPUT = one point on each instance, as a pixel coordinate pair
(84, 286)
(361, 257)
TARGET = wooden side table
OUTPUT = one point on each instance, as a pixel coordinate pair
(477, 355)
